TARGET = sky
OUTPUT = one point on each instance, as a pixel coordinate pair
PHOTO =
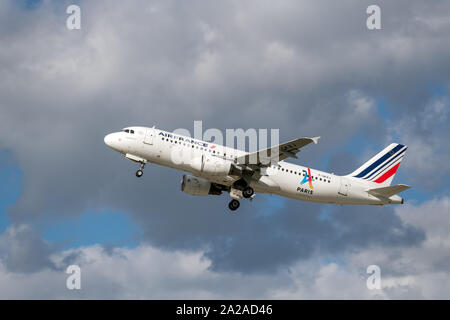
(307, 68)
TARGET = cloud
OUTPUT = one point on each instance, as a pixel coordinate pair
(22, 250)
(425, 133)
(299, 66)
(146, 272)
(420, 271)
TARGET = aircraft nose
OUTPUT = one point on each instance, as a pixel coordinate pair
(108, 140)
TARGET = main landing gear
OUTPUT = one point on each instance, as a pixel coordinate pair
(234, 204)
(237, 194)
(140, 172)
(248, 192)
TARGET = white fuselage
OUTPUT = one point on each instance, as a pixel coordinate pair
(284, 179)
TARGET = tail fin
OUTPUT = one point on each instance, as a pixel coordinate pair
(382, 168)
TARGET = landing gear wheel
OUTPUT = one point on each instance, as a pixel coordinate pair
(140, 172)
(247, 192)
(233, 205)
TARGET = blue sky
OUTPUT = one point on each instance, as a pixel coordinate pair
(31, 4)
(108, 227)
(10, 187)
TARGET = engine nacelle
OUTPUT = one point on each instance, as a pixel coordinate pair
(214, 166)
(198, 186)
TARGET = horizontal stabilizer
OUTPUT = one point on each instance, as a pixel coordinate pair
(387, 192)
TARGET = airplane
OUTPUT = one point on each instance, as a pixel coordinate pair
(214, 169)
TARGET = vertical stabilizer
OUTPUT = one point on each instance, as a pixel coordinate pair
(381, 168)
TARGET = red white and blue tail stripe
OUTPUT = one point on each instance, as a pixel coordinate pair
(382, 168)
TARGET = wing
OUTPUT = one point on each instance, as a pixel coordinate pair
(266, 157)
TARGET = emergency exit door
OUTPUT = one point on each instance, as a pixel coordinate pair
(149, 136)
(343, 188)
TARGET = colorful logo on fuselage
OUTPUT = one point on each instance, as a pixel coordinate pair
(307, 178)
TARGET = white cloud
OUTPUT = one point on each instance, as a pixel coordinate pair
(363, 105)
(149, 273)
(425, 133)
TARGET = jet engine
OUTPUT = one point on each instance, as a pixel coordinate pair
(215, 166)
(198, 186)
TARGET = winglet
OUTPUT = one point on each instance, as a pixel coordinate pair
(315, 139)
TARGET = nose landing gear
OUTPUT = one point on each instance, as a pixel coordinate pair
(140, 172)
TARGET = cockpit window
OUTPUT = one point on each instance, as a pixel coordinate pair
(126, 130)
(132, 131)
